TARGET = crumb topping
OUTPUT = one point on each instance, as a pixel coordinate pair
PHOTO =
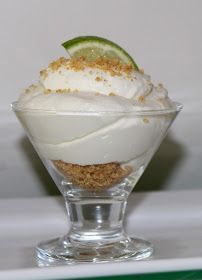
(60, 91)
(67, 90)
(47, 91)
(98, 79)
(112, 94)
(30, 88)
(145, 120)
(44, 73)
(113, 66)
(141, 98)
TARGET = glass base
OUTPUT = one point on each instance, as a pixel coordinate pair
(63, 250)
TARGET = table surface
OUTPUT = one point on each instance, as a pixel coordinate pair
(172, 221)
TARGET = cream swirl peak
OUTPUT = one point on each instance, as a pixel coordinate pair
(102, 76)
(87, 80)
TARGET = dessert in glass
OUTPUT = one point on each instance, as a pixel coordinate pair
(95, 121)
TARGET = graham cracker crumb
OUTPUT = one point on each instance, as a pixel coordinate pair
(68, 90)
(141, 98)
(145, 120)
(112, 66)
(96, 177)
(47, 91)
(44, 73)
(55, 65)
(30, 88)
(60, 91)
(98, 79)
(111, 94)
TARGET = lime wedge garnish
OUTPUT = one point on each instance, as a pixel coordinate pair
(92, 47)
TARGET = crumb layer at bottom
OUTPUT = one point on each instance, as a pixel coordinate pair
(96, 177)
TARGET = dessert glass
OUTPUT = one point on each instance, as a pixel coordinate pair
(95, 192)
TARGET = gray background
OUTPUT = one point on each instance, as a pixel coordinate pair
(164, 37)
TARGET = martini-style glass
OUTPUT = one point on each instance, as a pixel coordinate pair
(95, 159)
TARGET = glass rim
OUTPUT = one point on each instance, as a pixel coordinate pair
(176, 108)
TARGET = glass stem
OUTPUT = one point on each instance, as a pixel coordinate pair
(96, 220)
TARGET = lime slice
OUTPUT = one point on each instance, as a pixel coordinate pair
(93, 47)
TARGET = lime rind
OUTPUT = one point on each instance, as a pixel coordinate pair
(96, 46)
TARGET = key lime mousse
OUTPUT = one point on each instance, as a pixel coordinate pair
(98, 78)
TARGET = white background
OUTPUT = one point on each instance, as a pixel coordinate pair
(164, 37)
